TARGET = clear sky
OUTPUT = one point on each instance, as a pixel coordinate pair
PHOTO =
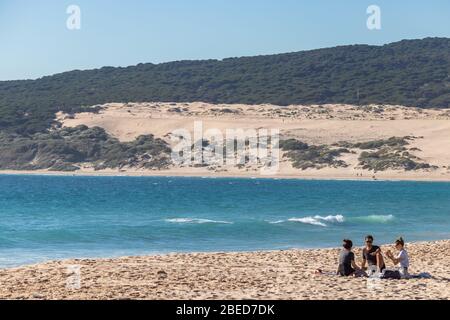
(36, 42)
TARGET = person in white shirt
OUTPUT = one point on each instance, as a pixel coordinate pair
(401, 260)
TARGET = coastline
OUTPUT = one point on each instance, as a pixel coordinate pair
(287, 274)
(316, 125)
(389, 176)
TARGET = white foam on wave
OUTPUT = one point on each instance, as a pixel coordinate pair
(195, 220)
(374, 218)
(315, 220)
(337, 218)
(308, 220)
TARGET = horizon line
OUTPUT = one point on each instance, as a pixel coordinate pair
(222, 59)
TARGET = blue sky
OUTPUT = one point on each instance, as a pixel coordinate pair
(35, 40)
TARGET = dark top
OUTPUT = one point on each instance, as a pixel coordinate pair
(345, 263)
(371, 259)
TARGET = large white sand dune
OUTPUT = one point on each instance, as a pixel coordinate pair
(315, 124)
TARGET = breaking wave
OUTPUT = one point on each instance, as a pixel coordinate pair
(374, 218)
(315, 220)
(196, 221)
(323, 221)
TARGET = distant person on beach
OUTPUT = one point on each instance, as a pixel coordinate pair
(372, 256)
(402, 259)
(347, 265)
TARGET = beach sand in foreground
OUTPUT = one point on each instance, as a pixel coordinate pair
(253, 275)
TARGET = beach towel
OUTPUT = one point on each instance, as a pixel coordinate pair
(422, 275)
(391, 274)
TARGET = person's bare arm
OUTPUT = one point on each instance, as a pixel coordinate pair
(376, 252)
(363, 264)
(391, 256)
(355, 266)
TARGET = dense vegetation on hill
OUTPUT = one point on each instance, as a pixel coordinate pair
(66, 149)
(410, 72)
(377, 155)
(391, 153)
(304, 156)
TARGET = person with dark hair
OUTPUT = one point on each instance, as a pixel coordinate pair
(372, 256)
(347, 265)
(401, 260)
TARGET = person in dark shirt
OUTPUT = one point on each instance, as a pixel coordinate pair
(347, 265)
(372, 255)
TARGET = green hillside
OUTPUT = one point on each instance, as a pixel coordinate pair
(410, 73)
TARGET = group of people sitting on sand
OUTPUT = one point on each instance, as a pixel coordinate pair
(373, 261)
(373, 258)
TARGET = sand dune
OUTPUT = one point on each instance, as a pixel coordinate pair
(315, 124)
(256, 275)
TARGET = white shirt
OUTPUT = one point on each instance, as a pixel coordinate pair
(403, 259)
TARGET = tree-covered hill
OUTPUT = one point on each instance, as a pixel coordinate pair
(409, 72)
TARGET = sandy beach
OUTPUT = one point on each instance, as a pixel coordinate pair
(220, 158)
(285, 274)
(316, 125)
(252, 275)
(322, 174)
(312, 124)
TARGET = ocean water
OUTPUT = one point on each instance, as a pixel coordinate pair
(56, 217)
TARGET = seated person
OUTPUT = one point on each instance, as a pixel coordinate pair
(347, 265)
(372, 256)
(401, 260)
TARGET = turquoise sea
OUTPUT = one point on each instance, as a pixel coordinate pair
(56, 217)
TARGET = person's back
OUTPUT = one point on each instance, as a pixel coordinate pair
(345, 262)
(347, 265)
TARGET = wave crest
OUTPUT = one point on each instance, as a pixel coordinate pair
(315, 220)
(195, 221)
(374, 218)
(323, 220)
